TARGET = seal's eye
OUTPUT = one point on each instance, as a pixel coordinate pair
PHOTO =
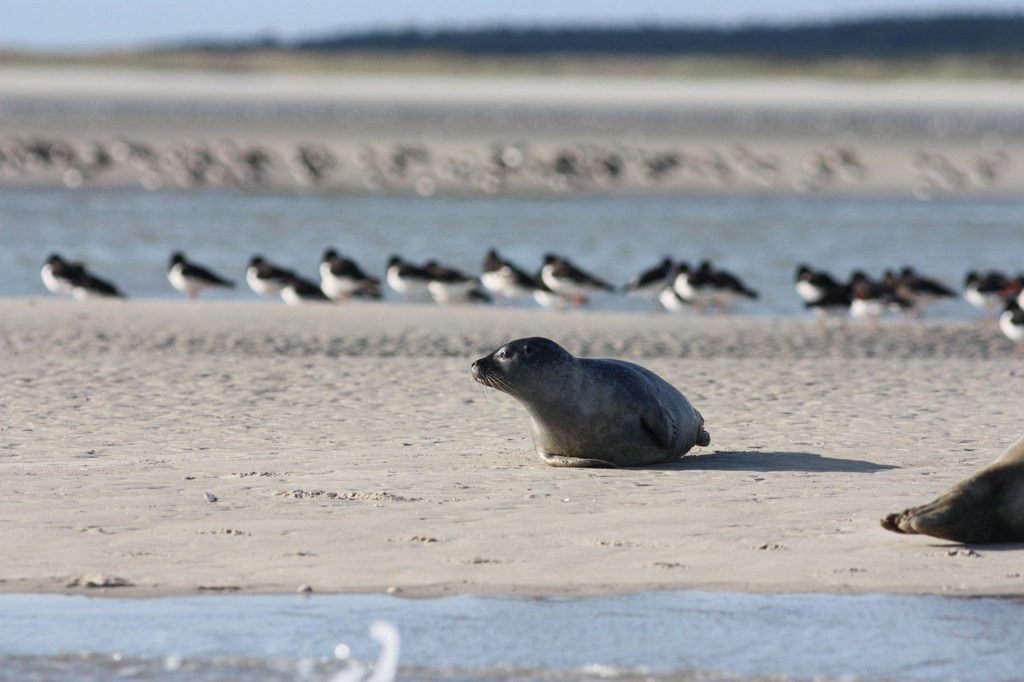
(527, 350)
(502, 354)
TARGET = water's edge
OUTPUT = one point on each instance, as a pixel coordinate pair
(664, 633)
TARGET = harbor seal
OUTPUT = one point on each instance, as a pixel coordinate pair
(593, 413)
(987, 507)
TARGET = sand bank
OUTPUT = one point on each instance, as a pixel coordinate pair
(438, 134)
(348, 449)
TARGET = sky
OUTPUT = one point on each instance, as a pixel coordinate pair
(93, 24)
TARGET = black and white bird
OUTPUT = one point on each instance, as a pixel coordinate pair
(920, 291)
(341, 278)
(1014, 290)
(832, 304)
(564, 278)
(651, 282)
(59, 276)
(727, 287)
(688, 288)
(1011, 323)
(62, 277)
(192, 278)
(546, 298)
(265, 278)
(299, 290)
(707, 286)
(490, 273)
(812, 285)
(518, 284)
(871, 300)
(448, 285)
(407, 279)
(984, 291)
(672, 301)
(505, 279)
(89, 287)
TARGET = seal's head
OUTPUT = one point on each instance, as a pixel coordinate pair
(524, 367)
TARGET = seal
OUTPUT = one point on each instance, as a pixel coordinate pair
(986, 508)
(593, 413)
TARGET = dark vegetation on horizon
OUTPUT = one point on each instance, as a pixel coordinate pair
(881, 37)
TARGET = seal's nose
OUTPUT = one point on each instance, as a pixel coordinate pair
(475, 369)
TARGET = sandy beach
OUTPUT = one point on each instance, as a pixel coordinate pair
(348, 449)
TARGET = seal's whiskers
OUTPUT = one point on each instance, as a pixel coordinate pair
(500, 383)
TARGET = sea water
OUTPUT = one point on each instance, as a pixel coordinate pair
(127, 235)
(658, 635)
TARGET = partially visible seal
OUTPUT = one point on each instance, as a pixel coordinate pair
(593, 413)
(987, 507)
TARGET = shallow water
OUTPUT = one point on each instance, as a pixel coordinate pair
(672, 635)
(127, 235)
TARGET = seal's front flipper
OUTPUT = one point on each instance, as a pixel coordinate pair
(660, 424)
(562, 461)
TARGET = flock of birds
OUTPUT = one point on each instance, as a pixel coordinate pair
(226, 163)
(910, 293)
(670, 285)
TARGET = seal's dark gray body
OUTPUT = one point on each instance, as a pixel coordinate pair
(987, 507)
(598, 413)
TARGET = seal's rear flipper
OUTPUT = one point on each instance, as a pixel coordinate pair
(962, 515)
(1014, 454)
(703, 437)
(562, 461)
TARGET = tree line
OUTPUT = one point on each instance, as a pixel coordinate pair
(882, 37)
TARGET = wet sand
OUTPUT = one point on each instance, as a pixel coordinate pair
(348, 450)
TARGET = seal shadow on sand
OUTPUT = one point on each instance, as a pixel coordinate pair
(986, 546)
(772, 461)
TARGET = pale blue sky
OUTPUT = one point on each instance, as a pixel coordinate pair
(111, 23)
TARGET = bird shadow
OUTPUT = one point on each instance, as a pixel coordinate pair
(774, 461)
